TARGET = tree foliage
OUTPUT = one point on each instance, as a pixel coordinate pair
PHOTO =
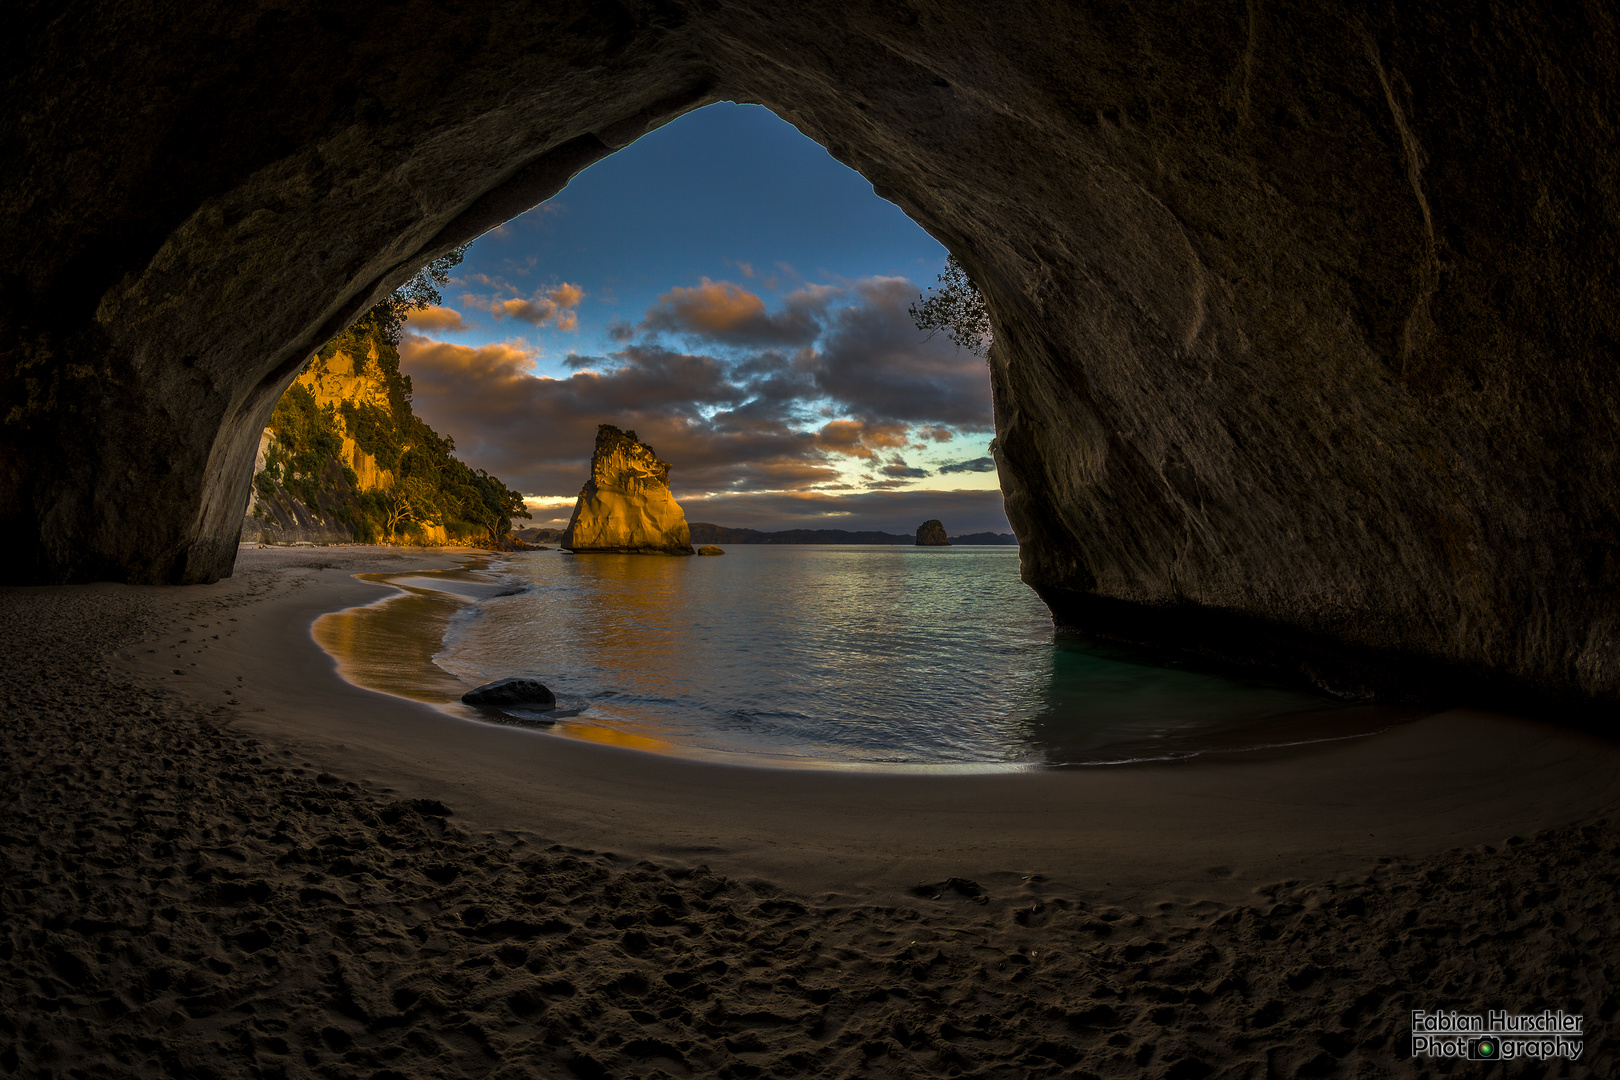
(955, 307)
(307, 440)
(387, 319)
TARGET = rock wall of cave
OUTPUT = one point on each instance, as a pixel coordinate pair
(1305, 314)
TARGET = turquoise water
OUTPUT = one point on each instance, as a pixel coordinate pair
(851, 655)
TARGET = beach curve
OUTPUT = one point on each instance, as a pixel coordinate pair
(222, 857)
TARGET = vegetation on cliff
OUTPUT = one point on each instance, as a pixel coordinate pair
(348, 413)
(956, 307)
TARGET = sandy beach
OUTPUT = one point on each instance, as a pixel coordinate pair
(220, 858)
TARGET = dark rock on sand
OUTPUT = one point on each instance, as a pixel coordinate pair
(931, 533)
(508, 692)
(1304, 318)
(710, 549)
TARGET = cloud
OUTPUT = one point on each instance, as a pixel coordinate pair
(536, 432)
(795, 397)
(437, 318)
(554, 306)
(713, 307)
(854, 345)
(877, 364)
(982, 464)
(860, 438)
(726, 313)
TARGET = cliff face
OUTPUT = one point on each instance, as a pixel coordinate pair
(344, 459)
(353, 377)
(931, 533)
(626, 506)
(325, 508)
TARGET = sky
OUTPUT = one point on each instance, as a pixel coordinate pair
(736, 297)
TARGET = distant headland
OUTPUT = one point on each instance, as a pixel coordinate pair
(625, 506)
(705, 533)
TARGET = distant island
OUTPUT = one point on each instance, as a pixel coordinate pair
(705, 533)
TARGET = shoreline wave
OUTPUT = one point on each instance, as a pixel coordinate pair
(398, 645)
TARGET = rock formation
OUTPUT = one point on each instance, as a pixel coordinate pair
(931, 533)
(325, 468)
(626, 506)
(710, 549)
(511, 692)
(1304, 313)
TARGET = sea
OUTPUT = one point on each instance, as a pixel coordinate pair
(816, 656)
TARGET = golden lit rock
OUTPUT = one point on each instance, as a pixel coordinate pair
(626, 506)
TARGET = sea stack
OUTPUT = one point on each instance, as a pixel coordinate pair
(626, 506)
(931, 533)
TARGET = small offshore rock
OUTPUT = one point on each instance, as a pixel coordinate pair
(510, 692)
(710, 549)
(931, 533)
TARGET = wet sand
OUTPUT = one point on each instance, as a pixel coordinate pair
(221, 858)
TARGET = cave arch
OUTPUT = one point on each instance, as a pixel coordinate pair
(1306, 315)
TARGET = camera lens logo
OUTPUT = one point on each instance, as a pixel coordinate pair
(1484, 1048)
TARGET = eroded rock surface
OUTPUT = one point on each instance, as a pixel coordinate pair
(1305, 314)
(931, 533)
(626, 506)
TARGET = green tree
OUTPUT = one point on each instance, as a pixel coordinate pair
(956, 307)
(499, 503)
(387, 319)
(413, 500)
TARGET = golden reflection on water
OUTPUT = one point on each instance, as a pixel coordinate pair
(389, 645)
(636, 599)
(610, 737)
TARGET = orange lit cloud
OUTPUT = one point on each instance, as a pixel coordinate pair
(727, 313)
(547, 307)
(437, 318)
(861, 438)
(499, 361)
(713, 306)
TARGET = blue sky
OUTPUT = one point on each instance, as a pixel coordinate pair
(736, 296)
